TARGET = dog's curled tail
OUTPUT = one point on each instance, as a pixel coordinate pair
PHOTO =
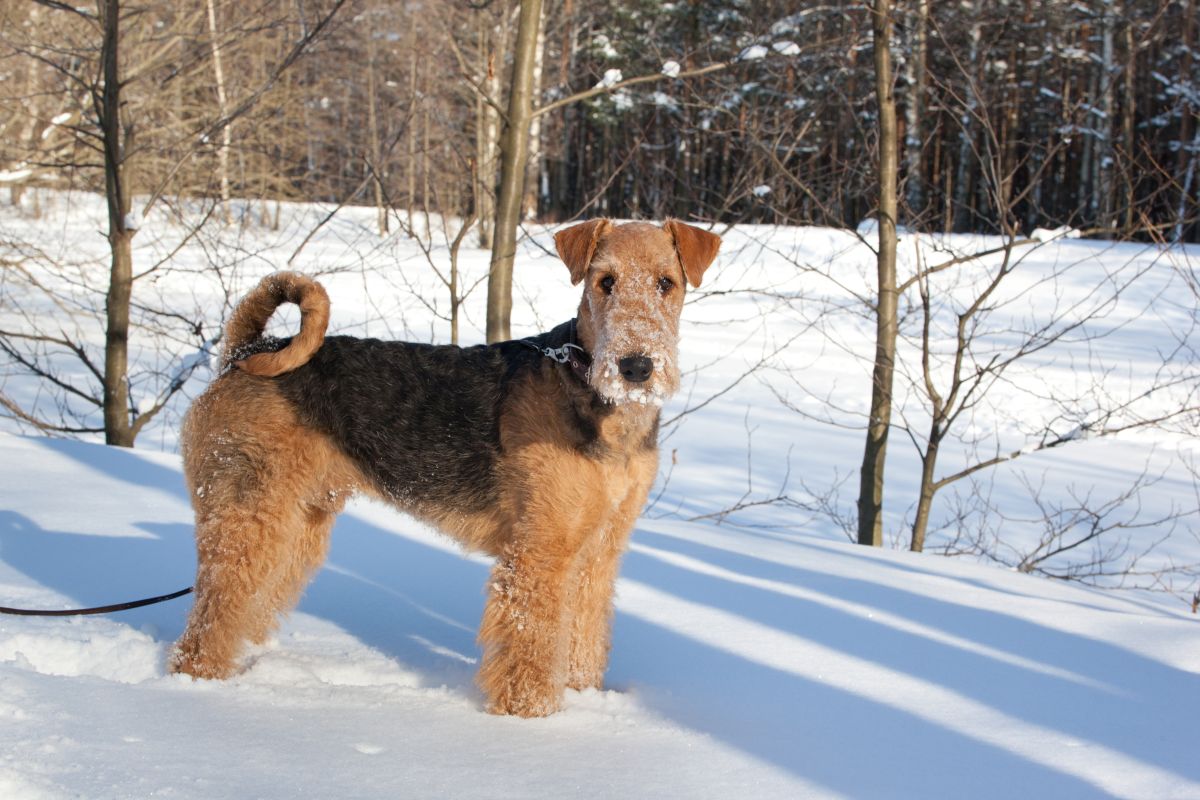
(249, 320)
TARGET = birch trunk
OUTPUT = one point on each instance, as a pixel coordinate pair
(1105, 154)
(1187, 155)
(964, 183)
(381, 211)
(914, 135)
(534, 169)
(222, 109)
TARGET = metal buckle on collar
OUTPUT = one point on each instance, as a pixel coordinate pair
(561, 354)
(579, 361)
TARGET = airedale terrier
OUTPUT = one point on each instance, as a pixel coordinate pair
(529, 450)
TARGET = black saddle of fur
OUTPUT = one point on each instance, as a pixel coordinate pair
(423, 421)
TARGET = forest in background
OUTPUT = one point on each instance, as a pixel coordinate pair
(1010, 112)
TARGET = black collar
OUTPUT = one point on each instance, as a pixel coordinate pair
(570, 353)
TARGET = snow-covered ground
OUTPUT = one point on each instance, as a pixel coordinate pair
(756, 653)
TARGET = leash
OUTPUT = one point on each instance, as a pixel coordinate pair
(74, 612)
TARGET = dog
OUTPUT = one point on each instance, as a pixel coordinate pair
(540, 452)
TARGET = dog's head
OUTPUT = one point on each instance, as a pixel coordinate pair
(634, 277)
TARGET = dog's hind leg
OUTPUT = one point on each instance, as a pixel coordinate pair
(255, 559)
(265, 490)
(241, 552)
(305, 554)
(253, 567)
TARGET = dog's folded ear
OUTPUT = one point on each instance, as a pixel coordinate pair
(696, 248)
(577, 244)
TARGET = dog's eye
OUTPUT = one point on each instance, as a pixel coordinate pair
(665, 285)
(607, 283)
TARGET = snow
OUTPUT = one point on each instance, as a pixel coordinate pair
(622, 100)
(755, 652)
(786, 48)
(663, 99)
(869, 226)
(1050, 234)
(605, 46)
(59, 119)
(611, 78)
(14, 175)
(670, 68)
(741, 662)
(762, 190)
(753, 53)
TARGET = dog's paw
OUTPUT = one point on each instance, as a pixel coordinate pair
(525, 706)
(184, 663)
(580, 679)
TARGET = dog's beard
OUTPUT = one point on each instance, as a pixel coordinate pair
(651, 341)
(607, 381)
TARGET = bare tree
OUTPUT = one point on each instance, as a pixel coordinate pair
(514, 155)
(953, 381)
(115, 141)
(870, 495)
(222, 104)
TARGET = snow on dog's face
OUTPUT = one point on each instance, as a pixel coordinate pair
(634, 279)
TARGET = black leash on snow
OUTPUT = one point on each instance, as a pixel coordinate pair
(76, 612)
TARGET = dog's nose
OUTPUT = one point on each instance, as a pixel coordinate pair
(636, 369)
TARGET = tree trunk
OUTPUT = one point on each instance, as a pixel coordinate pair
(1186, 165)
(926, 492)
(381, 211)
(964, 179)
(222, 109)
(534, 167)
(493, 50)
(1106, 161)
(514, 151)
(913, 137)
(485, 125)
(426, 194)
(117, 428)
(1127, 127)
(411, 136)
(870, 497)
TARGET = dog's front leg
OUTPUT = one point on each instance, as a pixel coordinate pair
(524, 632)
(592, 585)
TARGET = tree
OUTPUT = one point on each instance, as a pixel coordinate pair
(115, 140)
(514, 156)
(870, 494)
